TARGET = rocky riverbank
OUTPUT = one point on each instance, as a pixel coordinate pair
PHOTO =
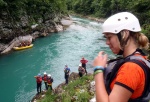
(41, 30)
(50, 27)
(59, 90)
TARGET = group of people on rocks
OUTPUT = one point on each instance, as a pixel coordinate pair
(48, 80)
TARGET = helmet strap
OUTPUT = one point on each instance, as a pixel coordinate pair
(120, 38)
(120, 52)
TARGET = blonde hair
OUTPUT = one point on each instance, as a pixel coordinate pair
(141, 40)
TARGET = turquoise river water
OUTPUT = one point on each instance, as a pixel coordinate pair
(50, 54)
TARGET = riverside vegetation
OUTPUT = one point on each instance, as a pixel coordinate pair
(78, 90)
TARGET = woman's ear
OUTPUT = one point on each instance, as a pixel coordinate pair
(125, 34)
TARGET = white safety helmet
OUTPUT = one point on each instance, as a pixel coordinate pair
(121, 21)
(49, 75)
(45, 73)
(80, 65)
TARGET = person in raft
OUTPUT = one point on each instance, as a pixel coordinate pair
(129, 77)
(84, 61)
(39, 83)
(44, 78)
(81, 70)
(66, 71)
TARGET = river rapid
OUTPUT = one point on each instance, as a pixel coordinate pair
(50, 54)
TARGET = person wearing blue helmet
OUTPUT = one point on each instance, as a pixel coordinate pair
(39, 82)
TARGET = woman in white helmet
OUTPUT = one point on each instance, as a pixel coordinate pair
(122, 32)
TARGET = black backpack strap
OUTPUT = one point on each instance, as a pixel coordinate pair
(146, 91)
(112, 74)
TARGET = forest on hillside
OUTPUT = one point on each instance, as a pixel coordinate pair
(105, 8)
(13, 12)
(17, 16)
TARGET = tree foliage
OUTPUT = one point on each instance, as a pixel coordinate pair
(105, 8)
(16, 16)
(14, 9)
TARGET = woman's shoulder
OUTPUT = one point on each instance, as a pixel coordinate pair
(131, 66)
(131, 70)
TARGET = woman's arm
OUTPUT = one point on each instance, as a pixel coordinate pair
(101, 94)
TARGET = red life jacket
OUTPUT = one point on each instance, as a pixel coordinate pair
(38, 79)
(45, 78)
(83, 61)
(49, 81)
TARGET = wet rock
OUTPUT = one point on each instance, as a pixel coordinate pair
(66, 22)
(59, 28)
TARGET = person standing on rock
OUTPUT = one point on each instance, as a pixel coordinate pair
(45, 77)
(50, 81)
(66, 71)
(81, 70)
(39, 83)
(84, 61)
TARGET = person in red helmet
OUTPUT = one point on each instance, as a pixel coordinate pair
(39, 83)
(84, 61)
(45, 77)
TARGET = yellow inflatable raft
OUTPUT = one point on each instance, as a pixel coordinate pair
(23, 47)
